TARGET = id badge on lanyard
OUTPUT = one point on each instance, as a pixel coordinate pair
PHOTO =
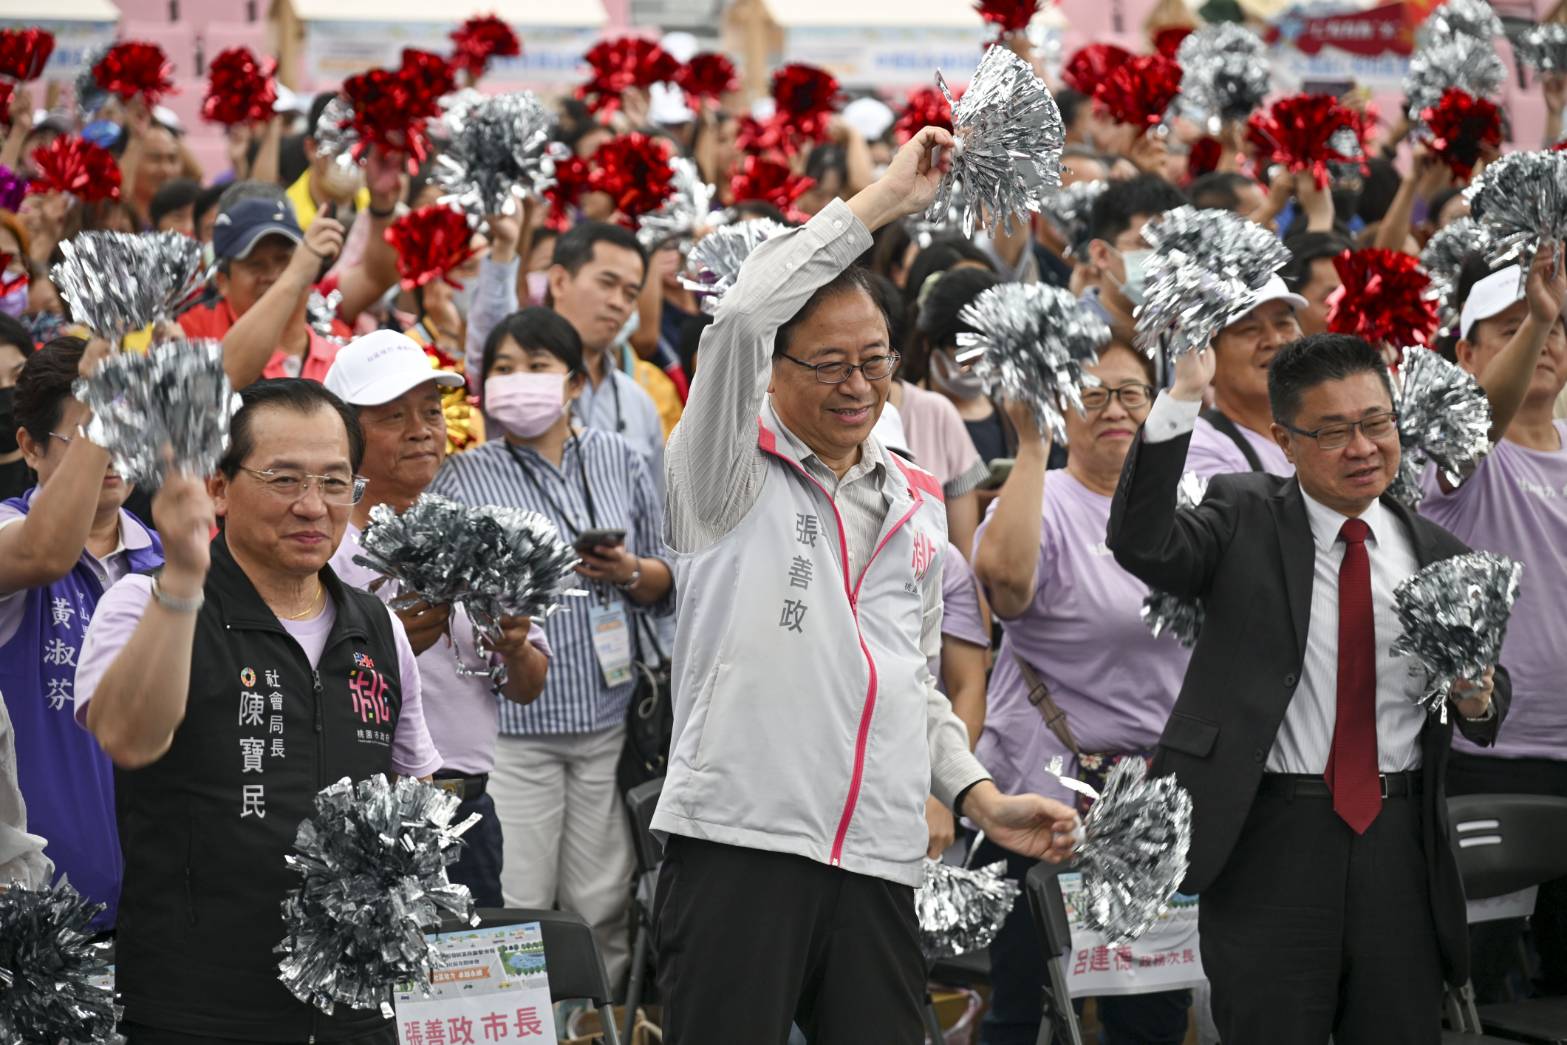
(611, 627)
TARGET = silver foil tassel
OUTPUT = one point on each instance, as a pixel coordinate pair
(1009, 136)
(1542, 47)
(1443, 416)
(177, 394)
(48, 968)
(372, 863)
(321, 311)
(1225, 72)
(500, 155)
(117, 282)
(1030, 344)
(334, 133)
(1069, 209)
(1444, 256)
(688, 208)
(1464, 62)
(1454, 614)
(961, 910)
(1521, 199)
(714, 262)
(1175, 615)
(1472, 18)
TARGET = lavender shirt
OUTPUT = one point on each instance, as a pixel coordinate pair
(463, 715)
(1083, 635)
(123, 606)
(1213, 453)
(960, 618)
(1516, 504)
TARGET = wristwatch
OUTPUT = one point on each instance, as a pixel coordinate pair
(174, 603)
(1490, 713)
(636, 576)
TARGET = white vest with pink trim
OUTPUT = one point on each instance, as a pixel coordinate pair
(800, 695)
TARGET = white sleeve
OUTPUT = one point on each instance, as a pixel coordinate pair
(1170, 417)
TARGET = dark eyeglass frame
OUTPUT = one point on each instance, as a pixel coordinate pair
(893, 358)
(268, 478)
(1118, 393)
(1347, 428)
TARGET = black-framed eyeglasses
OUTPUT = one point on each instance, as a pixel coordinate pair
(875, 368)
(1133, 396)
(1337, 436)
(291, 486)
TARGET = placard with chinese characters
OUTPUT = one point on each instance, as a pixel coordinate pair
(1165, 958)
(492, 987)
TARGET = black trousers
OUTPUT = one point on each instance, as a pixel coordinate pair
(750, 941)
(479, 866)
(1311, 931)
(1493, 946)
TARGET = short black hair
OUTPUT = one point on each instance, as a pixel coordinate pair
(574, 248)
(206, 199)
(1218, 190)
(13, 332)
(1308, 247)
(1115, 207)
(45, 384)
(889, 246)
(937, 324)
(535, 327)
(1308, 362)
(175, 193)
(1069, 102)
(318, 105)
(852, 279)
(286, 393)
(938, 255)
(823, 160)
(1377, 189)
(890, 298)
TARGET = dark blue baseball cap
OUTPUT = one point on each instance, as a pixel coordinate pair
(238, 229)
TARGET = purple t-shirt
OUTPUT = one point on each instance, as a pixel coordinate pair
(462, 712)
(1213, 453)
(122, 608)
(1083, 635)
(1516, 504)
(960, 618)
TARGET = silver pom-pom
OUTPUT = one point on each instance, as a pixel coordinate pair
(1179, 617)
(714, 262)
(1464, 62)
(961, 910)
(176, 395)
(118, 282)
(1031, 345)
(1542, 47)
(1009, 139)
(1136, 837)
(89, 96)
(501, 155)
(688, 208)
(1454, 613)
(455, 108)
(334, 133)
(1444, 256)
(1206, 265)
(1521, 199)
(373, 861)
(1069, 209)
(50, 968)
(1443, 416)
(1472, 18)
(321, 312)
(1225, 72)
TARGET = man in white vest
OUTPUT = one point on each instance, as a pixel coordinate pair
(808, 729)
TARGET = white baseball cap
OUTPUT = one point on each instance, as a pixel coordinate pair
(1490, 296)
(1273, 290)
(869, 116)
(381, 366)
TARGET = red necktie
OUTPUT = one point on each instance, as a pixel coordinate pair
(1352, 762)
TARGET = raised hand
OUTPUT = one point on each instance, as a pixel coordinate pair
(1547, 286)
(1193, 374)
(910, 183)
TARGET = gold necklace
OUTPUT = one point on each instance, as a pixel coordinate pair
(315, 603)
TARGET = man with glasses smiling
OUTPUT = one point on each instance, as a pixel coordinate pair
(228, 690)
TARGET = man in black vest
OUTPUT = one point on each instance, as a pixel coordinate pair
(228, 691)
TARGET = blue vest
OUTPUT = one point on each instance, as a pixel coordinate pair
(66, 779)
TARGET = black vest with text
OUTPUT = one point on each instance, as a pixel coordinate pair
(205, 829)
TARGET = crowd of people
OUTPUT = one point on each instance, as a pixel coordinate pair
(887, 598)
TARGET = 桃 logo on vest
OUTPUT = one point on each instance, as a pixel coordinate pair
(924, 555)
(247, 677)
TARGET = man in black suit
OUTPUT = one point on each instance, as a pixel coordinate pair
(1330, 898)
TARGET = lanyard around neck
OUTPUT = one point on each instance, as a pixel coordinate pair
(587, 488)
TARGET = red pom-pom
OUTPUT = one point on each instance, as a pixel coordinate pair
(24, 53)
(926, 107)
(429, 77)
(762, 137)
(479, 39)
(1139, 90)
(1298, 131)
(1385, 298)
(1204, 157)
(240, 88)
(1168, 40)
(392, 106)
(7, 92)
(1008, 16)
(77, 166)
(768, 181)
(807, 96)
(621, 64)
(1459, 128)
(135, 68)
(1089, 65)
(430, 242)
(633, 170)
(8, 284)
(707, 77)
(571, 181)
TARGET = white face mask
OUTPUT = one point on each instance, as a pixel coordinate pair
(1135, 288)
(953, 379)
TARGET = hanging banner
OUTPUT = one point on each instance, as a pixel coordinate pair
(1369, 47)
(333, 51)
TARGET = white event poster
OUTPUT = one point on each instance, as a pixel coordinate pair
(492, 986)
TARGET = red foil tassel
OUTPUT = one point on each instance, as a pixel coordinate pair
(1089, 65)
(479, 39)
(1139, 90)
(707, 77)
(429, 76)
(1383, 298)
(392, 106)
(1297, 132)
(633, 170)
(430, 242)
(135, 68)
(1008, 16)
(1459, 128)
(8, 284)
(7, 92)
(926, 107)
(77, 166)
(807, 97)
(1204, 157)
(240, 88)
(1168, 40)
(621, 64)
(768, 181)
(571, 181)
(24, 53)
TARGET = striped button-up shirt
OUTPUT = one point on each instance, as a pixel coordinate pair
(575, 697)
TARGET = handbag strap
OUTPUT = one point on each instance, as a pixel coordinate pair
(1039, 696)
(644, 625)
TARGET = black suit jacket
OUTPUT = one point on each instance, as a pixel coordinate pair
(1247, 552)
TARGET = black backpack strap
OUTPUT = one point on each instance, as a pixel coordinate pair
(1228, 427)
